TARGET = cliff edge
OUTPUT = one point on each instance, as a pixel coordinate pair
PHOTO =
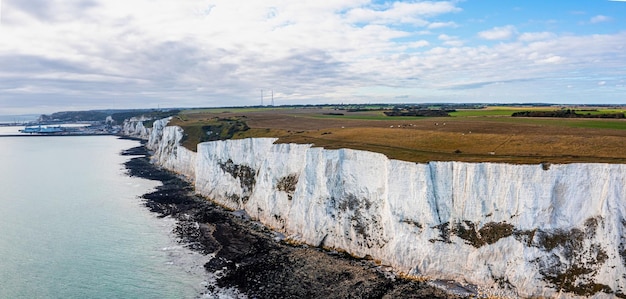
(513, 230)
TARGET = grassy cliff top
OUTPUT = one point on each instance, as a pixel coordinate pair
(472, 135)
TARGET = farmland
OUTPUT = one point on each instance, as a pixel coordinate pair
(473, 135)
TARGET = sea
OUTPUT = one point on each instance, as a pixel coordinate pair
(73, 225)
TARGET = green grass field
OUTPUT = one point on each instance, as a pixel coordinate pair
(229, 110)
(484, 112)
(507, 111)
(365, 116)
(599, 123)
(496, 115)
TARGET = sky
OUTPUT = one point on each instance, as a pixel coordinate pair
(58, 55)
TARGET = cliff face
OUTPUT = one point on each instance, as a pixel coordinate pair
(134, 128)
(164, 141)
(521, 230)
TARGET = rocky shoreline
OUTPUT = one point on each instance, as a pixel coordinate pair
(255, 260)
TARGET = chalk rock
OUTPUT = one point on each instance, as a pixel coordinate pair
(513, 230)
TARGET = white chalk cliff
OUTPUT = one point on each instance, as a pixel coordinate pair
(134, 127)
(165, 142)
(516, 230)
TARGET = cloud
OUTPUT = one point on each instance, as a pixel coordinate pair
(569, 59)
(600, 19)
(438, 25)
(477, 85)
(222, 52)
(550, 59)
(498, 33)
(536, 36)
(401, 12)
(452, 41)
(45, 11)
(418, 44)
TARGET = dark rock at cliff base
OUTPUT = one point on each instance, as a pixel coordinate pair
(250, 259)
(135, 151)
(141, 167)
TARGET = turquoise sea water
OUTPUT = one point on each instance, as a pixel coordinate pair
(72, 225)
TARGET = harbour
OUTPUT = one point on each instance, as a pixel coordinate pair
(68, 129)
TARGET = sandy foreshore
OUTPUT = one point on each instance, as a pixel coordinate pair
(255, 260)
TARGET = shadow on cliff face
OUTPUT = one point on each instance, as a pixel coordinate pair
(248, 257)
(246, 176)
(570, 260)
